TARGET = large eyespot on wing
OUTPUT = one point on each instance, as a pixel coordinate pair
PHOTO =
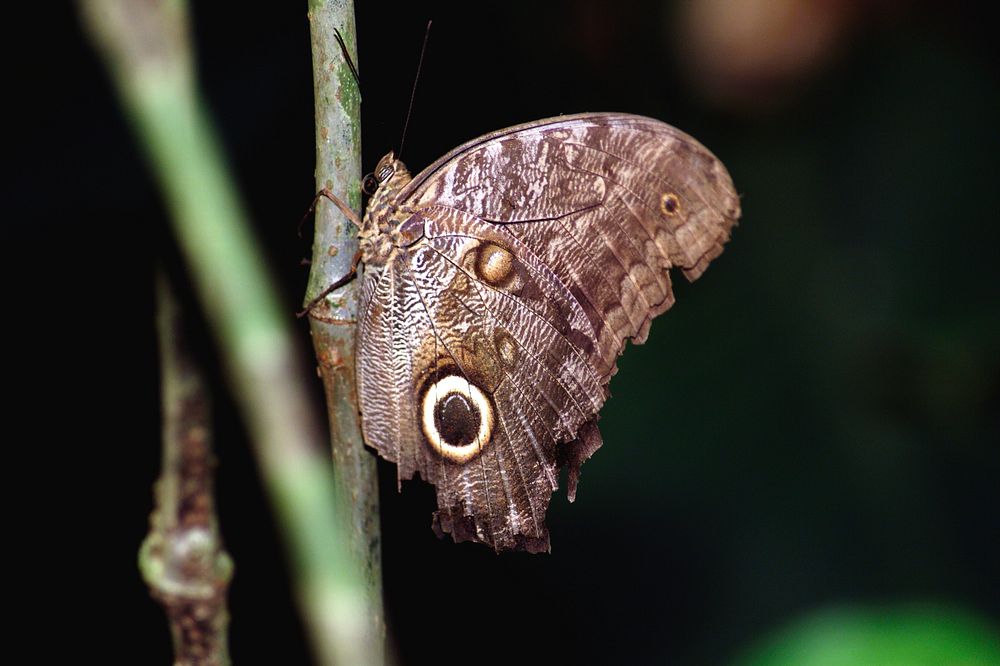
(467, 375)
(498, 382)
(457, 418)
(404, 360)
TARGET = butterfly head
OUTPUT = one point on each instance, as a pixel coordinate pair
(388, 178)
(382, 215)
(390, 173)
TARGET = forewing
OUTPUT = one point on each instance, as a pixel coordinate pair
(608, 202)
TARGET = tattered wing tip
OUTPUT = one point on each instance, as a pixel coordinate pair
(464, 529)
(577, 452)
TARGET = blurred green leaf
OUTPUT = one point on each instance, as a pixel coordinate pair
(897, 636)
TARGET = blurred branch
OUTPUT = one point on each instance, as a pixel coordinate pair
(333, 320)
(182, 558)
(146, 47)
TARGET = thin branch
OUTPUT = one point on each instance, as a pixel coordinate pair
(182, 559)
(333, 318)
(146, 46)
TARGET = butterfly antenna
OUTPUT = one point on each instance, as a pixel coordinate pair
(347, 57)
(413, 93)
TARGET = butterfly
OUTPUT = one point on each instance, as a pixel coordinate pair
(500, 285)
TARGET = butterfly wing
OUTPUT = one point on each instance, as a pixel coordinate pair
(544, 247)
(609, 201)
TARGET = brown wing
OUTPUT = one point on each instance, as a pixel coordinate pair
(487, 346)
(608, 201)
(470, 314)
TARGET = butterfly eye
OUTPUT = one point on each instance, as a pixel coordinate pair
(385, 173)
(369, 185)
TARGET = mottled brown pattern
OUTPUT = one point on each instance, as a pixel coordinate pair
(512, 270)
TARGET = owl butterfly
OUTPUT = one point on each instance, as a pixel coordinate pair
(501, 283)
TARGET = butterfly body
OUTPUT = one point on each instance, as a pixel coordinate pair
(500, 285)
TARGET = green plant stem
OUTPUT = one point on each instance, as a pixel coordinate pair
(145, 44)
(333, 320)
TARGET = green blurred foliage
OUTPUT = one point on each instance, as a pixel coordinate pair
(891, 636)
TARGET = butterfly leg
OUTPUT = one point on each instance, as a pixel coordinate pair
(353, 217)
(344, 208)
(351, 274)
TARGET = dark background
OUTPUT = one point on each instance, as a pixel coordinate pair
(814, 425)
